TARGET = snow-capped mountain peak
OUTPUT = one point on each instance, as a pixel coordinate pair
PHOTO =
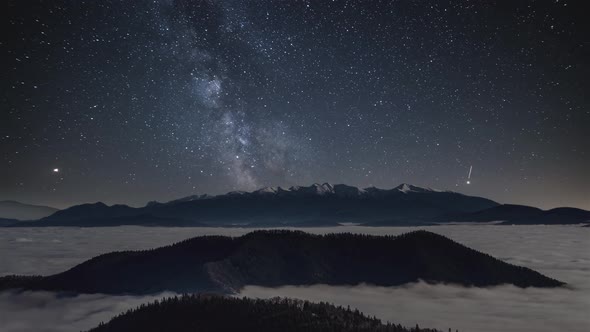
(320, 189)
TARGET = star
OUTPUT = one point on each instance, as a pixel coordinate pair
(249, 93)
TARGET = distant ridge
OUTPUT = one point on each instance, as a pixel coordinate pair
(277, 258)
(521, 214)
(311, 206)
(20, 211)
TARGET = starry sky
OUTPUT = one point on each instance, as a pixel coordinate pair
(132, 101)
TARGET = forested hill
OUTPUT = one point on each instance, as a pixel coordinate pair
(279, 257)
(191, 313)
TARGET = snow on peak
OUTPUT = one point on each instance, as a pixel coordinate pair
(268, 190)
(271, 190)
(316, 188)
(183, 199)
(324, 188)
(407, 188)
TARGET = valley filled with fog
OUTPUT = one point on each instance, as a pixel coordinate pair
(561, 252)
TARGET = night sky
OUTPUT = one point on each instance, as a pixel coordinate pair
(131, 101)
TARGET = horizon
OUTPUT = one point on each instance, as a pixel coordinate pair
(140, 205)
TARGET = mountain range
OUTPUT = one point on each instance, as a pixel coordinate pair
(315, 205)
(276, 258)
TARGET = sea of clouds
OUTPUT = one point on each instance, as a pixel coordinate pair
(561, 252)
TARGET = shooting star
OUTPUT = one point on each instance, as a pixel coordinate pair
(469, 176)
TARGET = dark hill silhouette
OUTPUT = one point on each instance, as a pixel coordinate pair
(520, 214)
(563, 215)
(219, 313)
(8, 222)
(275, 258)
(318, 204)
(496, 213)
(93, 211)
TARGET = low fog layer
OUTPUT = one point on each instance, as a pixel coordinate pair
(561, 252)
(47, 312)
(504, 308)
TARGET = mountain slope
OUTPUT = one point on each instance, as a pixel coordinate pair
(220, 313)
(22, 211)
(321, 204)
(275, 258)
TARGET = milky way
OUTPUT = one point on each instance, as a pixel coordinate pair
(135, 100)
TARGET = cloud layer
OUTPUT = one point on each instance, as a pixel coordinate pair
(48, 312)
(562, 252)
(504, 308)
